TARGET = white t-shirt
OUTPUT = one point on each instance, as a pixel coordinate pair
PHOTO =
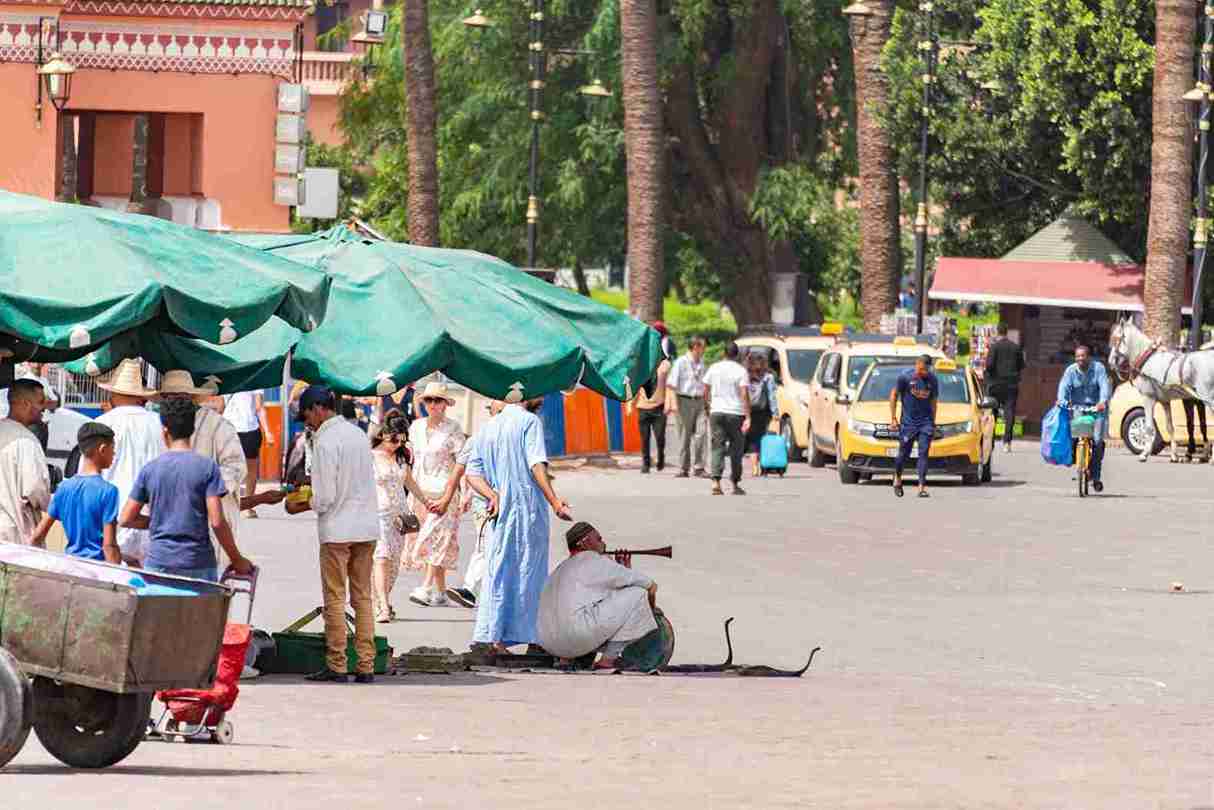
(241, 411)
(728, 381)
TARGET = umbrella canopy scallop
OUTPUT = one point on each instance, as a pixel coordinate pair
(74, 276)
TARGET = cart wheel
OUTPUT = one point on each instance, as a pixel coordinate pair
(88, 728)
(16, 707)
(224, 733)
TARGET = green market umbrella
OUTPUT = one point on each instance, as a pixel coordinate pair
(398, 312)
(73, 276)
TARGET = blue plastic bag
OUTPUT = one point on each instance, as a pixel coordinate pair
(1056, 437)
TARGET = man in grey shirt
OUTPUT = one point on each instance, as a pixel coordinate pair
(686, 381)
(347, 525)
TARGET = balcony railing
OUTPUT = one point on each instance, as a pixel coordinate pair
(326, 73)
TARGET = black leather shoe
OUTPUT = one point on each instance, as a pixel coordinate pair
(1098, 486)
(364, 677)
(327, 676)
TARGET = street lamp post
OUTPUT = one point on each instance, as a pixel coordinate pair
(927, 50)
(1201, 94)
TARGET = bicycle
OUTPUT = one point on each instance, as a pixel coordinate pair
(1083, 427)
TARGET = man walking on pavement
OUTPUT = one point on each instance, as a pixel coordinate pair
(347, 525)
(25, 483)
(652, 410)
(919, 392)
(1004, 364)
(727, 395)
(686, 382)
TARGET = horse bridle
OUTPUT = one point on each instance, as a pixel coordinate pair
(1124, 369)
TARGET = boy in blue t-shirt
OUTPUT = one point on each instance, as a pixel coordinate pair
(181, 490)
(86, 504)
(919, 393)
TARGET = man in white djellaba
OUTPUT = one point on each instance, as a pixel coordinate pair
(592, 603)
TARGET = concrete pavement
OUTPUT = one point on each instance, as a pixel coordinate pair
(1008, 645)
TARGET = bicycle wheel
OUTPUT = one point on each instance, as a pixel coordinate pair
(1082, 456)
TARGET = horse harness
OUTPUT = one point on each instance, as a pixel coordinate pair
(1149, 352)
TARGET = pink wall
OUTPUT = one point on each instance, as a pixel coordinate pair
(27, 152)
(323, 114)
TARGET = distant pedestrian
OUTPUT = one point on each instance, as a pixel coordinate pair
(393, 482)
(1004, 365)
(727, 396)
(138, 439)
(652, 410)
(182, 490)
(918, 391)
(509, 468)
(686, 382)
(762, 392)
(25, 482)
(436, 442)
(347, 526)
(478, 504)
(246, 412)
(86, 504)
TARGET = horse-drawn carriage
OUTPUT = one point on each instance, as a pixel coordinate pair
(83, 646)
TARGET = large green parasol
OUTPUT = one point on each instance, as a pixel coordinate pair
(73, 276)
(398, 312)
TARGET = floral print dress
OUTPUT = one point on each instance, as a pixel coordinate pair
(390, 489)
(435, 452)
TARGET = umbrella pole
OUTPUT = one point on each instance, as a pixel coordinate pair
(285, 398)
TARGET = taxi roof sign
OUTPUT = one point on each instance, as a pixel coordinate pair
(905, 340)
(945, 364)
(832, 328)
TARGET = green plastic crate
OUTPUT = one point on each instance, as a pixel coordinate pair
(299, 653)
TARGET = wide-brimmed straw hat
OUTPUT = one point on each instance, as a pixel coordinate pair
(181, 382)
(436, 390)
(127, 380)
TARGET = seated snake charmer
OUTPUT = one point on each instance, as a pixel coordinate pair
(592, 603)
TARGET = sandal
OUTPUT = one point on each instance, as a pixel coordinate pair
(898, 490)
(924, 494)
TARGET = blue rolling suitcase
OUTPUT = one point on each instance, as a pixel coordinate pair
(773, 455)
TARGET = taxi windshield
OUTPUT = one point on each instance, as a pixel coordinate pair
(857, 364)
(881, 382)
(802, 363)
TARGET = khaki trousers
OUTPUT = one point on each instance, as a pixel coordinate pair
(339, 563)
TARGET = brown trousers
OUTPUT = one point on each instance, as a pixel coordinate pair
(339, 563)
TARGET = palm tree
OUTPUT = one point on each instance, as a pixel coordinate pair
(69, 184)
(645, 145)
(421, 124)
(1171, 170)
(880, 243)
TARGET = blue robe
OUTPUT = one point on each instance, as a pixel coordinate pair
(503, 453)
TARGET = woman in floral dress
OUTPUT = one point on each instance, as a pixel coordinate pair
(392, 479)
(436, 442)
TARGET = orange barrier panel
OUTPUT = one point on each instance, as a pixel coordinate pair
(585, 424)
(632, 430)
(271, 455)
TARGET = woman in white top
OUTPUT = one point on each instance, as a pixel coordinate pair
(436, 442)
(392, 479)
(246, 411)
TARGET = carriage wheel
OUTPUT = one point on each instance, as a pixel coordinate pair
(16, 707)
(88, 728)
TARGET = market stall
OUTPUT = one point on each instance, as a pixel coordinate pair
(1062, 287)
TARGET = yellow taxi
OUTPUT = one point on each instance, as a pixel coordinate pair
(835, 382)
(793, 353)
(1128, 422)
(964, 442)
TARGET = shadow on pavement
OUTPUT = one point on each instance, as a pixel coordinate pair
(143, 770)
(401, 679)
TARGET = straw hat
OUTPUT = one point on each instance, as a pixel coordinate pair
(127, 380)
(180, 382)
(436, 390)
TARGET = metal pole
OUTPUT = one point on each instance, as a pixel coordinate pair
(927, 49)
(1203, 152)
(539, 69)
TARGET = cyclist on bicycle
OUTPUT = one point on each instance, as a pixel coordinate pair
(1085, 383)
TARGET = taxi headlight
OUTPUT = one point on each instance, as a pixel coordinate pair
(954, 429)
(861, 428)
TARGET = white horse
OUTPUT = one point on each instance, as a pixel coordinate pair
(1160, 374)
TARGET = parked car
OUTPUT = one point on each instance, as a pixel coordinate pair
(838, 375)
(1128, 421)
(964, 441)
(793, 354)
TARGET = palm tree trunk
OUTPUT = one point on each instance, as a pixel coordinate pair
(880, 244)
(139, 166)
(69, 185)
(421, 124)
(1171, 170)
(646, 150)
